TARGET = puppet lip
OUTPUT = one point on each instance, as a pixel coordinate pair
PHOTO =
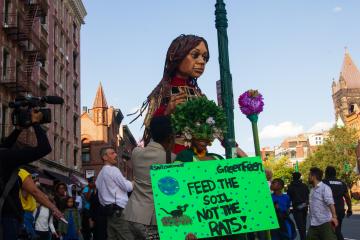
(199, 70)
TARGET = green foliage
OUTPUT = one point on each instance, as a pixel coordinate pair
(338, 151)
(281, 168)
(199, 118)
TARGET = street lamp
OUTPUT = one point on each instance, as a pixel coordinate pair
(225, 76)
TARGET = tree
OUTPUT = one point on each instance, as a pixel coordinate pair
(281, 168)
(338, 151)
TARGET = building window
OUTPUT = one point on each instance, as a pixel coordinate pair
(3, 117)
(75, 157)
(351, 108)
(43, 20)
(293, 154)
(74, 31)
(17, 71)
(55, 65)
(67, 153)
(5, 63)
(55, 34)
(61, 150)
(75, 118)
(75, 94)
(75, 56)
(6, 11)
(55, 147)
(85, 155)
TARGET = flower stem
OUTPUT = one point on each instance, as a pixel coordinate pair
(253, 119)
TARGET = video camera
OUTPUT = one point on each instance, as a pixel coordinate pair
(21, 116)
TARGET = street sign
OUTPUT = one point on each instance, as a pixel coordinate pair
(212, 198)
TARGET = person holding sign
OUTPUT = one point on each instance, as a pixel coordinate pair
(139, 212)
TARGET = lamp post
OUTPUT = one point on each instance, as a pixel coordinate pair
(225, 76)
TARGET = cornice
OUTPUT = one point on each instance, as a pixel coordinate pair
(79, 10)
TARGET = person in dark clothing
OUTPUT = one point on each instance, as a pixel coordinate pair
(10, 161)
(299, 197)
(98, 218)
(340, 192)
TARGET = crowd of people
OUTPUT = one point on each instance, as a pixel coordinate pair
(324, 203)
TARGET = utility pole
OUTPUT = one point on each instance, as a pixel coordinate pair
(225, 76)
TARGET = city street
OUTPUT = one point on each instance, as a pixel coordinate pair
(351, 226)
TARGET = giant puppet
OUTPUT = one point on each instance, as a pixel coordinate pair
(185, 62)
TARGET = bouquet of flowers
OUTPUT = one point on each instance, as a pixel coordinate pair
(199, 118)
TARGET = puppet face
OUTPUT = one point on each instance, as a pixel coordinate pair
(193, 65)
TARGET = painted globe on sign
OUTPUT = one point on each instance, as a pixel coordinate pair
(168, 185)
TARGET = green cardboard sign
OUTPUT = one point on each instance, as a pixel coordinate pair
(212, 198)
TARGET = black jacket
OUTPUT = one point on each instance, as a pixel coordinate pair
(11, 159)
(298, 193)
(339, 189)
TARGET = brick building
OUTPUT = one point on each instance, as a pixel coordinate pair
(101, 126)
(40, 55)
(295, 148)
(346, 94)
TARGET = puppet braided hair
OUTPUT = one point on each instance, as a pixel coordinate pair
(177, 51)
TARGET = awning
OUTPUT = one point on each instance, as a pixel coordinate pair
(78, 180)
(59, 177)
(43, 178)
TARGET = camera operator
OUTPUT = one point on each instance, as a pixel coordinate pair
(10, 161)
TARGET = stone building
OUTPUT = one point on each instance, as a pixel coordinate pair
(346, 94)
(40, 55)
(101, 126)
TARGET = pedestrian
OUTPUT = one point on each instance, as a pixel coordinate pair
(43, 223)
(86, 195)
(73, 192)
(60, 196)
(282, 207)
(33, 195)
(340, 192)
(28, 203)
(72, 229)
(140, 211)
(98, 218)
(113, 189)
(299, 197)
(11, 213)
(323, 219)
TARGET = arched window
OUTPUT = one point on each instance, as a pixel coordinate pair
(85, 150)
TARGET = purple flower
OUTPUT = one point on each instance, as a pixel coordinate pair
(251, 102)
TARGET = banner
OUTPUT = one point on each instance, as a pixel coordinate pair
(212, 198)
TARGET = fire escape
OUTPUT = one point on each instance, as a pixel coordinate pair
(19, 27)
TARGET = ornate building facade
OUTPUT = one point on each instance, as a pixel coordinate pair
(101, 126)
(40, 55)
(346, 94)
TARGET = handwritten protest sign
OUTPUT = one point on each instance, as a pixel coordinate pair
(212, 198)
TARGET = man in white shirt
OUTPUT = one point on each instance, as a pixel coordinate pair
(323, 219)
(113, 190)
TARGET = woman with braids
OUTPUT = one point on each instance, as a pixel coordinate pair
(185, 62)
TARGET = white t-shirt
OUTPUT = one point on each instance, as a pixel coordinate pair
(112, 186)
(43, 223)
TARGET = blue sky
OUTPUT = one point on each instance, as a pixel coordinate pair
(289, 50)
